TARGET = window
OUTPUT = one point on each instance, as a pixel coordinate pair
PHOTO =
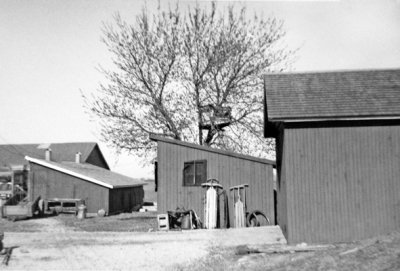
(194, 173)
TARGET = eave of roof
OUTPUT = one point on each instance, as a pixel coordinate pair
(334, 118)
(60, 168)
(209, 149)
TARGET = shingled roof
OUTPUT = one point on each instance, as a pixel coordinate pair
(365, 94)
(89, 173)
(13, 154)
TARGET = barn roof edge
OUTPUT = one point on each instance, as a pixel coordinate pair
(59, 167)
(209, 149)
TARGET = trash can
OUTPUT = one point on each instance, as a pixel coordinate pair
(81, 211)
(187, 221)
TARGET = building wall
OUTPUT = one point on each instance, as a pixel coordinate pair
(125, 199)
(229, 171)
(281, 200)
(341, 183)
(49, 183)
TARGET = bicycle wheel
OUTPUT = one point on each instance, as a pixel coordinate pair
(256, 219)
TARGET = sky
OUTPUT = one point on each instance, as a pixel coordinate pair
(50, 52)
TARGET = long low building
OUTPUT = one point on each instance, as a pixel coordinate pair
(100, 188)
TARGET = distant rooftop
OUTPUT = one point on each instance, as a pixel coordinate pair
(13, 154)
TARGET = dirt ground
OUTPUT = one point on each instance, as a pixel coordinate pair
(59, 247)
(55, 245)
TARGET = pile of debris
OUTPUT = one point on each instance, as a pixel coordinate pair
(216, 211)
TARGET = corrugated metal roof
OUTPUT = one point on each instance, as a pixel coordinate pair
(90, 173)
(333, 95)
(13, 154)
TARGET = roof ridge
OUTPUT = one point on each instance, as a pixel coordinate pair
(71, 142)
(332, 71)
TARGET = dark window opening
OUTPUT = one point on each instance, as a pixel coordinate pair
(155, 176)
(54, 203)
(194, 173)
(69, 204)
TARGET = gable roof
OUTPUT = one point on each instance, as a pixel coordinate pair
(89, 173)
(335, 95)
(208, 149)
(13, 154)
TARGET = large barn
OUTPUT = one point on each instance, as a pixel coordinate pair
(338, 153)
(14, 154)
(182, 167)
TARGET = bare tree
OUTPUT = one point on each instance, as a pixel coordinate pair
(194, 76)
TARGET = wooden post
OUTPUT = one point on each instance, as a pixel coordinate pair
(12, 183)
(30, 184)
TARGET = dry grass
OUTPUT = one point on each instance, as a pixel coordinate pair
(381, 253)
(125, 222)
(27, 225)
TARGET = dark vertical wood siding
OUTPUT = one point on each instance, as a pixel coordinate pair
(340, 183)
(125, 199)
(49, 183)
(229, 171)
(282, 214)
